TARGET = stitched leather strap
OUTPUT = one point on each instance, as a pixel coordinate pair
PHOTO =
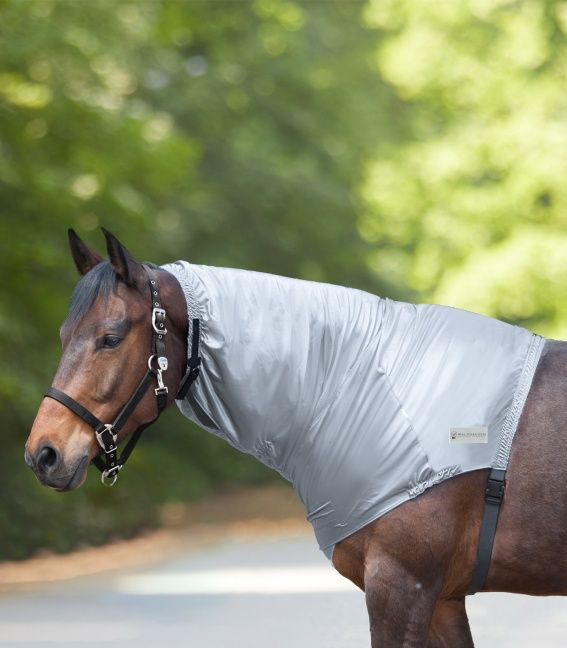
(133, 401)
(158, 337)
(76, 408)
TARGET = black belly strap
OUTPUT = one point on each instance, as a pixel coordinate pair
(494, 494)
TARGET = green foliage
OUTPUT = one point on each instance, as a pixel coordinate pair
(227, 133)
(413, 149)
(469, 209)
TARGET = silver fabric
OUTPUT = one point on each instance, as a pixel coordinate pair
(351, 397)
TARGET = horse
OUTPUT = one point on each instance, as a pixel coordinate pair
(415, 563)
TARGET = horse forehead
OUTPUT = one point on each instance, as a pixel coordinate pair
(116, 307)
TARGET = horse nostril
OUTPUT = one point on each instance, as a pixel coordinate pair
(47, 458)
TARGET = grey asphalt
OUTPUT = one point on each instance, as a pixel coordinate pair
(275, 593)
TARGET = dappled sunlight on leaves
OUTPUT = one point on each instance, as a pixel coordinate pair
(484, 152)
(521, 279)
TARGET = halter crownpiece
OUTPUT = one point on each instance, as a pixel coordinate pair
(110, 463)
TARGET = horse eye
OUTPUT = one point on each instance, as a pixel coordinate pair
(110, 341)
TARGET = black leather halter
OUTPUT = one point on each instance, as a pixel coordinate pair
(107, 433)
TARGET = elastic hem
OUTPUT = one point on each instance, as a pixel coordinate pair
(181, 270)
(511, 422)
(439, 476)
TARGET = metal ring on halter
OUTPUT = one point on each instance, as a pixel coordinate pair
(104, 477)
(162, 366)
(161, 361)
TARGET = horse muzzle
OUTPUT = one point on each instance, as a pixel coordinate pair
(50, 469)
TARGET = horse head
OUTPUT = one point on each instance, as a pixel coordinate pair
(108, 350)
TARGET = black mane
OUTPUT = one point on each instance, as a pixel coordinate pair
(98, 282)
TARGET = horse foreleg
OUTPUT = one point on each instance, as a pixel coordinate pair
(450, 626)
(400, 607)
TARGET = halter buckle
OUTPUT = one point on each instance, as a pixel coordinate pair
(109, 477)
(105, 445)
(159, 327)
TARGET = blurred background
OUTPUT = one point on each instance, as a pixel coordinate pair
(417, 150)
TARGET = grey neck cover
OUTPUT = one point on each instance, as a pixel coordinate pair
(352, 398)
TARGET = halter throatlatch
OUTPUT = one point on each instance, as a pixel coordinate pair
(108, 461)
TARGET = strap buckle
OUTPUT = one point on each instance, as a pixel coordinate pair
(159, 327)
(494, 492)
(107, 444)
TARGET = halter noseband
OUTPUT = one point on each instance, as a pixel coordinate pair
(107, 433)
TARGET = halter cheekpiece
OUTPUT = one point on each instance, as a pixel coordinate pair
(108, 461)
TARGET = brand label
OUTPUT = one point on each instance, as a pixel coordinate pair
(468, 435)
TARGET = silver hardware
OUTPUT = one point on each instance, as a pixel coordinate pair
(161, 362)
(162, 366)
(161, 312)
(107, 426)
(109, 479)
(161, 388)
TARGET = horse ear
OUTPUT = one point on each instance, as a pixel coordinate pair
(126, 267)
(85, 258)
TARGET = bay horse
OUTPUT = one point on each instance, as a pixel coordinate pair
(415, 563)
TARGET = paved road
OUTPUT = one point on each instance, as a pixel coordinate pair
(279, 593)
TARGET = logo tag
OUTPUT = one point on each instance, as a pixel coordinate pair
(468, 435)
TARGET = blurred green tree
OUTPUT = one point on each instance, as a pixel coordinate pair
(224, 133)
(470, 207)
